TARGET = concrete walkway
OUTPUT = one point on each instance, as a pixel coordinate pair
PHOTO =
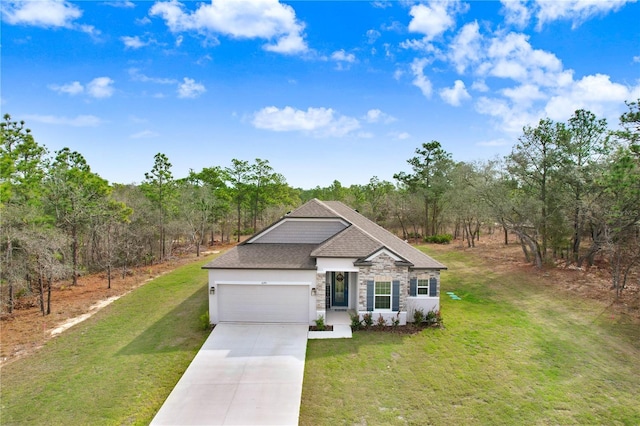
(244, 374)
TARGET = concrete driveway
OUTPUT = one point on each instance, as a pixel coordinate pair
(244, 374)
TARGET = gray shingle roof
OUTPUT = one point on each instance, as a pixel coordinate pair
(352, 242)
(393, 243)
(313, 208)
(266, 256)
(362, 238)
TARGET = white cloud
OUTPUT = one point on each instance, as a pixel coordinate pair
(320, 122)
(456, 94)
(100, 87)
(341, 55)
(190, 89)
(421, 45)
(136, 75)
(133, 42)
(145, 134)
(79, 121)
(399, 135)
(435, 18)
(576, 11)
(524, 94)
(377, 116)
(516, 12)
(126, 4)
(372, 36)
(382, 4)
(511, 57)
(73, 88)
(480, 86)
(466, 47)
(506, 117)
(249, 19)
(596, 93)
(636, 59)
(419, 79)
(44, 13)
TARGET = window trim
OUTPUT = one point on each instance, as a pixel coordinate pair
(376, 295)
(424, 286)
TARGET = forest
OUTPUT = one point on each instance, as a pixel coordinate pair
(568, 192)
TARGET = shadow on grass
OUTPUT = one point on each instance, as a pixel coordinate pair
(175, 331)
(360, 341)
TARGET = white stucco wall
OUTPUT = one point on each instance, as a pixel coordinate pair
(425, 303)
(259, 277)
(328, 264)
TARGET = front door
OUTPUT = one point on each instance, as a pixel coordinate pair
(339, 289)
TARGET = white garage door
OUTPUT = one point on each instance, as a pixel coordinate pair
(263, 303)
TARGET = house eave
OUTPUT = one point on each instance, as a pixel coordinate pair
(273, 268)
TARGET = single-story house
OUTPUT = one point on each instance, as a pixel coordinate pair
(322, 256)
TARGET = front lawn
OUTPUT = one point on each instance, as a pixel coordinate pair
(511, 352)
(118, 366)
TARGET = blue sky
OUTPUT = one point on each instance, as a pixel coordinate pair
(324, 90)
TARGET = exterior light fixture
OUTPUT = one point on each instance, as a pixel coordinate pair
(212, 290)
(313, 291)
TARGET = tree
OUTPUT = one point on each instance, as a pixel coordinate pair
(159, 188)
(238, 176)
(376, 194)
(535, 163)
(582, 155)
(266, 188)
(464, 200)
(430, 168)
(22, 165)
(75, 194)
(201, 196)
(622, 201)
(108, 231)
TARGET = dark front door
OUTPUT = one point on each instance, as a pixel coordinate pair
(339, 289)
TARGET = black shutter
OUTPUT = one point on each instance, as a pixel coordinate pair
(433, 287)
(395, 296)
(413, 287)
(369, 295)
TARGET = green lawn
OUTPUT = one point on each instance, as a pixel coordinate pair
(512, 352)
(117, 367)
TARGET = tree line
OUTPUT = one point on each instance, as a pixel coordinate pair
(568, 190)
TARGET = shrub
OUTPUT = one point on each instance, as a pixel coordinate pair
(418, 316)
(439, 239)
(320, 326)
(396, 321)
(367, 319)
(356, 323)
(204, 320)
(381, 321)
(430, 317)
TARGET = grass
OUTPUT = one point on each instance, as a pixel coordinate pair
(512, 352)
(117, 367)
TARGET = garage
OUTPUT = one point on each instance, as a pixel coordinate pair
(267, 303)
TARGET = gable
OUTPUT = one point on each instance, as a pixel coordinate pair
(299, 231)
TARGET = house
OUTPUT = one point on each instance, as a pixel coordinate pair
(322, 256)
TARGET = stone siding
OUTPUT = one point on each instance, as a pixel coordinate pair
(383, 265)
(321, 290)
